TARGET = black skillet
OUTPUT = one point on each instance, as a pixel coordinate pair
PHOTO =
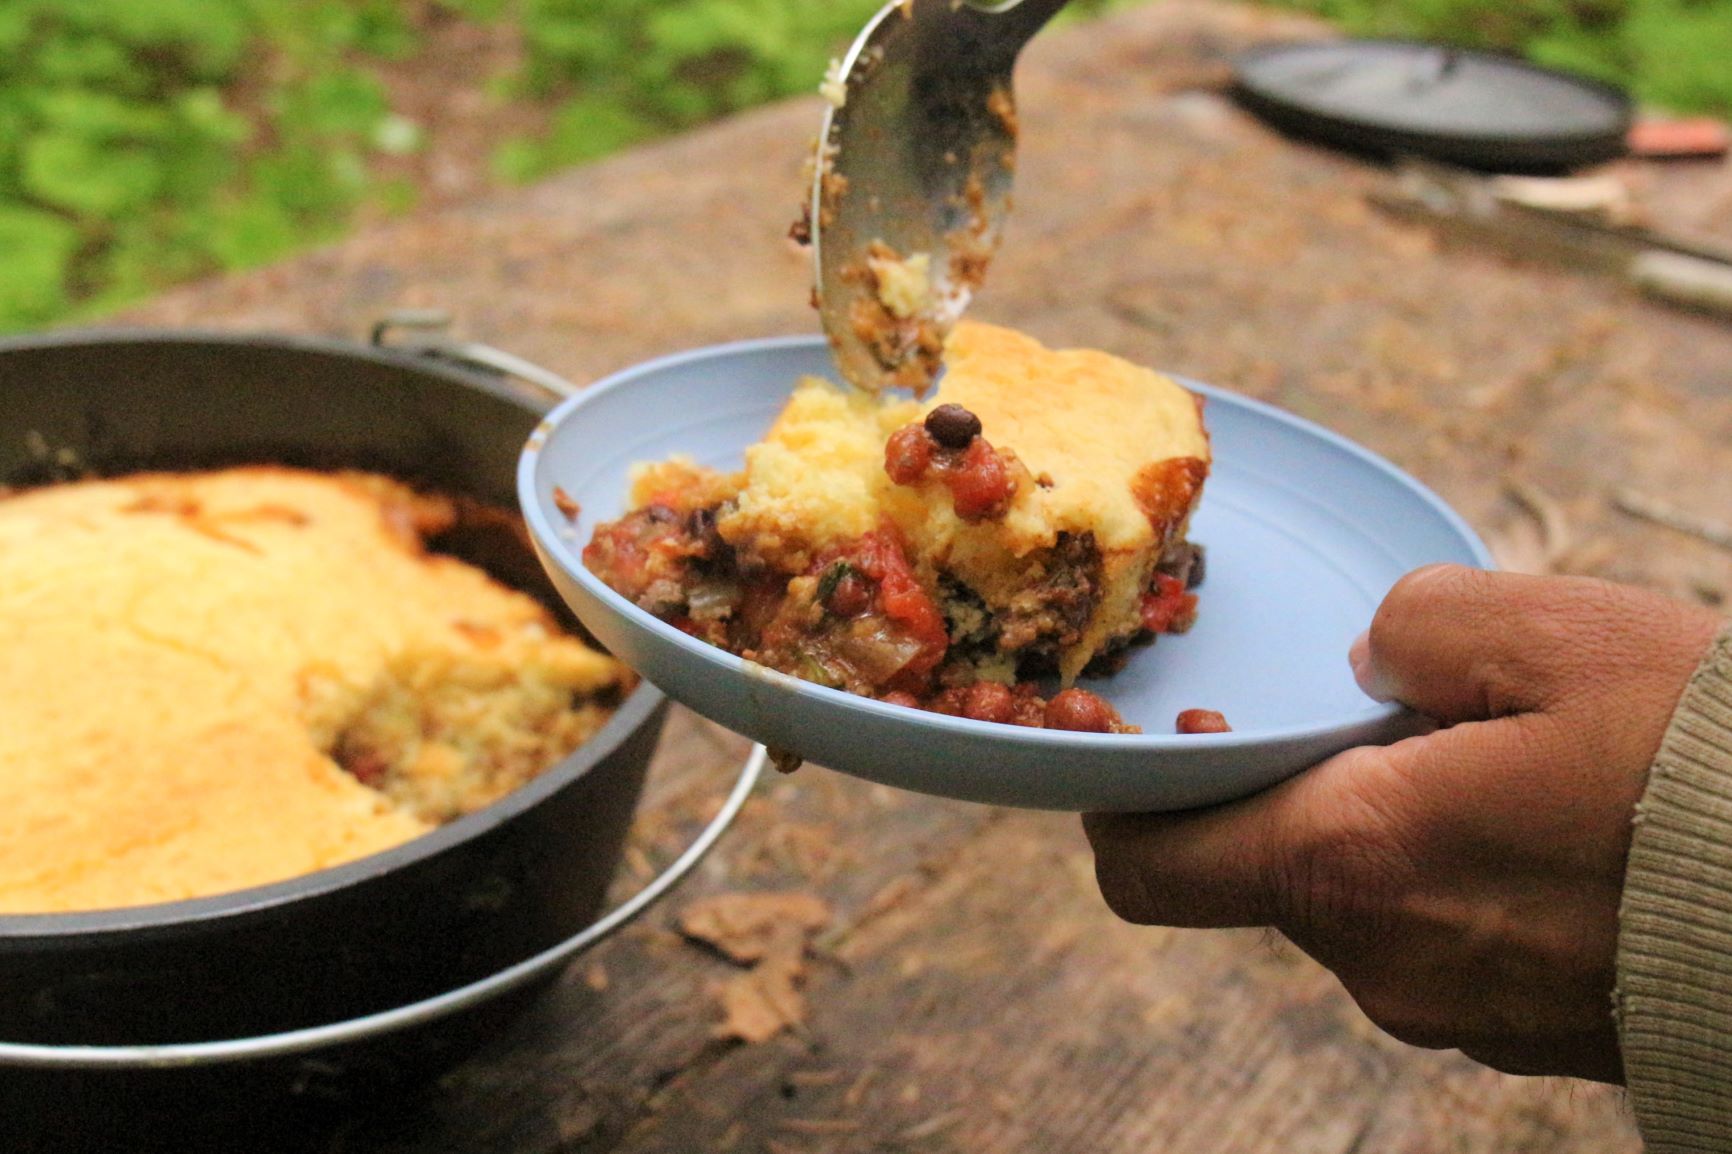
(356, 980)
(1391, 98)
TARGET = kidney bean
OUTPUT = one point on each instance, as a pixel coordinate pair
(1201, 721)
(908, 454)
(1080, 711)
(850, 596)
(988, 701)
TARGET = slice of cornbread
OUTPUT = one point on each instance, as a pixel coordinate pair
(218, 680)
(1030, 517)
(817, 479)
(1110, 451)
(1117, 454)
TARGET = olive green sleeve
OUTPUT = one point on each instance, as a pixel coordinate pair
(1674, 996)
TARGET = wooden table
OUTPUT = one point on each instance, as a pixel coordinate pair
(972, 993)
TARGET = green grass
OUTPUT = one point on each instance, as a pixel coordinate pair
(623, 71)
(145, 142)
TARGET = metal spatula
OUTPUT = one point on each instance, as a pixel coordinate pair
(913, 179)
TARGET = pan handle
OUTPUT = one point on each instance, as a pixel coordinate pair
(292, 1042)
(427, 332)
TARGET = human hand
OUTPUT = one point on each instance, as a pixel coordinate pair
(1463, 885)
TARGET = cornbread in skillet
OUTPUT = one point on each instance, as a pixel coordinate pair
(1029, 518)
(212, 681)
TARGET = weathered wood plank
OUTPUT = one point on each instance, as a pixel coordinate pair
(1001, 1008)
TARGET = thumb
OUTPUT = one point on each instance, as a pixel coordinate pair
(1460, 644)
(1256, 862)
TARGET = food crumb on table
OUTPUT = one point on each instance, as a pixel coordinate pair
(770, 932)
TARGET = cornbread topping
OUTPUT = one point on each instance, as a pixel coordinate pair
(1028, 519)
(217, 680)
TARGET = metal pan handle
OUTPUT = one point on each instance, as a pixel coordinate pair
(290, 1042)
(427, 333)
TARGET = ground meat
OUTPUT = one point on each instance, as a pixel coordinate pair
(858, 620)
(1050, 615)
(644, 556)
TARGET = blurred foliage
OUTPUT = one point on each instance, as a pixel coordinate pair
(626, 70)
(143, 142)
(146, 141)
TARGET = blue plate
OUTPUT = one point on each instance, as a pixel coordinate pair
(1305, 531)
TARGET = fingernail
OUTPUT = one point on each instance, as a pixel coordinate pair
(1359, 657)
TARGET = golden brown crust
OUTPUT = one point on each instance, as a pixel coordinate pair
(1166, 491)
(196, 660)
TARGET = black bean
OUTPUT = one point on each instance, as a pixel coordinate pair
(1184, 562)
(952, 426)
(1194, 577)
(701, 524)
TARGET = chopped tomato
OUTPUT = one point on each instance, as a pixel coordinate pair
(646, 547)
(908, 454)
(1167, 608)
(980, 485)
(902, 599)
(978, 476)
(620, 553)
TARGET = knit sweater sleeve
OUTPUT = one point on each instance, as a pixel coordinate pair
(1674, 996)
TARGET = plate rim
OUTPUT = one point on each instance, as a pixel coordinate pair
(558, 548)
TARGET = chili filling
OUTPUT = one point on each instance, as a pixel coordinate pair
(859, 619)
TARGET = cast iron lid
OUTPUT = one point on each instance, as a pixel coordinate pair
(1476, 109)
